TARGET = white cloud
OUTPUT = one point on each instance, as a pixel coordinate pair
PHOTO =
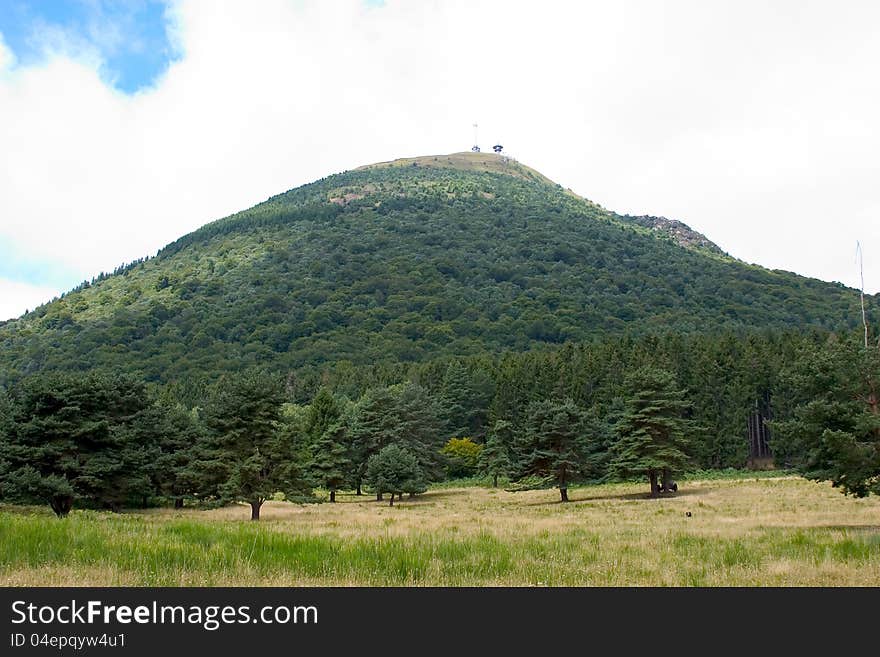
(755, 123)
(6, 58)
(16, 297)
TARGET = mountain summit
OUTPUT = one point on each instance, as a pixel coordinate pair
(491, 163)
(466, 161)
(408, 260)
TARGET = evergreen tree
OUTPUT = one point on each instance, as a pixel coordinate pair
(294, 427)
(721, 396)
(418, 427)
(176, 435)
(76, 437)
(599, 434)
(554, 444)
(395, 470)
(464, 399)
(5, 429)
(118, 474)
(404, 413)
(833, 428)
(653, 431)
(250, 456)
(330, 464)
(374, 426)
(494, 460)
(323, 412)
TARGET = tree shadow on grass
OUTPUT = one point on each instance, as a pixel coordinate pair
(421, 498)
(440, 492)
(574, 499)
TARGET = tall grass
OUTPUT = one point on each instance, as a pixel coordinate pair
(169, 553)
(746, 532)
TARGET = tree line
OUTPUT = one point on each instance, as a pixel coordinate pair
(109, 440)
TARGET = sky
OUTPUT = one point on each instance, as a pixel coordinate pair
(125, 124)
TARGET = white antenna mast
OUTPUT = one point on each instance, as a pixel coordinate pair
(859, 255)
(476, 147)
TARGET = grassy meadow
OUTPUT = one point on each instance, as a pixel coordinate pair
(755, 530)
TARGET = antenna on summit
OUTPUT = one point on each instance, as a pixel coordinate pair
(861, 260)
(476, 147)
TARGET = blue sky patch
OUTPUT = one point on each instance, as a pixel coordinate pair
(129, 36)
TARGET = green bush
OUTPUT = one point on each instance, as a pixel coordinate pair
(462, 455)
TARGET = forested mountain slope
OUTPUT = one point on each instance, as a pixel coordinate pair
(406, 261)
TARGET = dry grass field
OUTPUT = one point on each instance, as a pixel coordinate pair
(750, 531)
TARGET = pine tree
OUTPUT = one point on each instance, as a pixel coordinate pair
(494, 459)
(404, 413)
(374, 426)
(395, 470)
(464, 399)
(176, 435)
(418, 427)
(5, 429)
(249, 455)
(599, 438)
(832, 432)
(330, 464)
(653, 431)
(554, 445)
(323, 412)
(76, 437)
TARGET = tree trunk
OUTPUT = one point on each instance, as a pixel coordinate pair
(495, 481)
(255, 509)
(665, 480)
(654, 489)
(332, 495)
(61, 505)
(379, 497)
(359, 491)
(178, 502)
(563, 493)
(391, 500)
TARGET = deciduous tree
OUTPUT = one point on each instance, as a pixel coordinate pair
(462, 455)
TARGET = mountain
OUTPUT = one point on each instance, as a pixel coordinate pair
(405, 261)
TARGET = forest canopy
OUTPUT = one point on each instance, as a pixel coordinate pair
(406, 264)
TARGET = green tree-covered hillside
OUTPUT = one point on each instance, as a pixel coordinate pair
(403, 262)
